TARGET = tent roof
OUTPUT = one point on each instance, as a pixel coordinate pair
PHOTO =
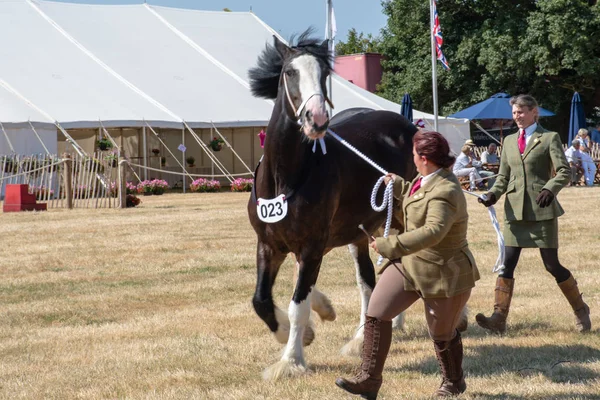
(126, 64)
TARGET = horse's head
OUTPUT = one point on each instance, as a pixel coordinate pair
(298, 75)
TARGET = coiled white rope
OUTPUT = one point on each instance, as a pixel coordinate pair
(388, 201)
(499, 265)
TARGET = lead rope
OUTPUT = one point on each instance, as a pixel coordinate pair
(499, 266)
(388, 194)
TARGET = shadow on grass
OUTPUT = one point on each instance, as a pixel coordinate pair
(507, 396)
(559, 364)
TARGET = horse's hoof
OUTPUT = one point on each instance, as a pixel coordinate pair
(353, 347)
(284, 369)
(322, 306)
(398, 322)
(309, 335)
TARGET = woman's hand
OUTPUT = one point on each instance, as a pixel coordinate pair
(389, 178)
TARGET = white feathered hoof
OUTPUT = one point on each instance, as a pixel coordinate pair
(322, 306)
(284, 369)
(353, 348)
(398, 322)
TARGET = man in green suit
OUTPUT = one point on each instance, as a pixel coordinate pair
(531, 209)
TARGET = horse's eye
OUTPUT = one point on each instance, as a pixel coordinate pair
(289, 72)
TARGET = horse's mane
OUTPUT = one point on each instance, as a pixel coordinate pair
(264, 78)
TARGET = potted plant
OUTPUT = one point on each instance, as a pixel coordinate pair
(205, 185)
(156, 151)
(242, 185)
(159, 186)
(104, 144)
(216, 144)
(190, 161)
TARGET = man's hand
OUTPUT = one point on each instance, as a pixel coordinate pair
(491, 199)
(545, 198)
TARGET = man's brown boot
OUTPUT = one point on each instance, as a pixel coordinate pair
(582, 311)
(378, 337)
(450, 355)
(497, 321)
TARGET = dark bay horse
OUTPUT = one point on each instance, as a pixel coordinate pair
(307, 202)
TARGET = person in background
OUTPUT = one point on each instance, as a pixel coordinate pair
(466, 165)
(490, 156)
(584, 139)
(531, 210)
(574, 157)
(437, 266)
(589, 167)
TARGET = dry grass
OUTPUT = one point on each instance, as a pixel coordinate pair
(154, 303)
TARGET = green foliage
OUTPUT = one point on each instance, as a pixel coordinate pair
(357, 43)
(548, 48)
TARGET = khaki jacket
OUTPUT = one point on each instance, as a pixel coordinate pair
(522, 177)
(435, 254)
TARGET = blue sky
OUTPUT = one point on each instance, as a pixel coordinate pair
(285, 16)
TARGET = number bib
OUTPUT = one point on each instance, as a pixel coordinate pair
(272, 210)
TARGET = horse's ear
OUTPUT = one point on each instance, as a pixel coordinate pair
(281, 47)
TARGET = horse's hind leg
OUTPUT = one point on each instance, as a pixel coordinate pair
(292, 362)
(268, 261)
(365, 278)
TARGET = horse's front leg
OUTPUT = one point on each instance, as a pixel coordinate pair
(292, 362)
(365, 279)
(268, 261)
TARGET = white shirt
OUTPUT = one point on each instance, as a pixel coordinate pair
(463, 160)
(487, 158)
(428, 177)
(573, 155)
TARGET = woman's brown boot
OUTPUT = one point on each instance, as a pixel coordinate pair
(503, 293)
(378, 337)
(450, 355)
(582, 311)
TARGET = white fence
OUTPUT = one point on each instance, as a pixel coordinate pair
(91, 181)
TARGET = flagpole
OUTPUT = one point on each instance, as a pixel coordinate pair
(433, 66)
(329, 34)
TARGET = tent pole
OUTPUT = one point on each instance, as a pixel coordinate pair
(145, 145)
(183, 158)
(169, 150)
(213, 158)
(12, 149)
(231, 147)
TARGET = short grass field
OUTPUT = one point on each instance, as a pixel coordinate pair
(155, 303)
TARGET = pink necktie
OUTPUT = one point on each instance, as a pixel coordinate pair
(416, 186)
(522, 141)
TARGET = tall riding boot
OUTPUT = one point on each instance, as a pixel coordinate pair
(582, 311)
(378, 337)
(497, 321)
(450, 355)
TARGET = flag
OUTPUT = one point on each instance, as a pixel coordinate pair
(439, 40)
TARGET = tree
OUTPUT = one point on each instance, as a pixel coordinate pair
(547, 48)
(357, 43)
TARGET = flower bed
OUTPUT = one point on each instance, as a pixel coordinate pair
(242, 185)
(154, 186)
(205, 185)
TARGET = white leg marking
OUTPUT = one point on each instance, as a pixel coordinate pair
(292, 362)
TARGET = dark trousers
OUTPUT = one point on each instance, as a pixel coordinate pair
(549, 258)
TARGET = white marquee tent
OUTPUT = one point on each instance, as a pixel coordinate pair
(132, 65)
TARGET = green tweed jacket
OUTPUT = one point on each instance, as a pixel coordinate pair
(435, 254)
(522, 177)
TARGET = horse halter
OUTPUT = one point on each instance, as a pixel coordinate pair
(298, 112)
